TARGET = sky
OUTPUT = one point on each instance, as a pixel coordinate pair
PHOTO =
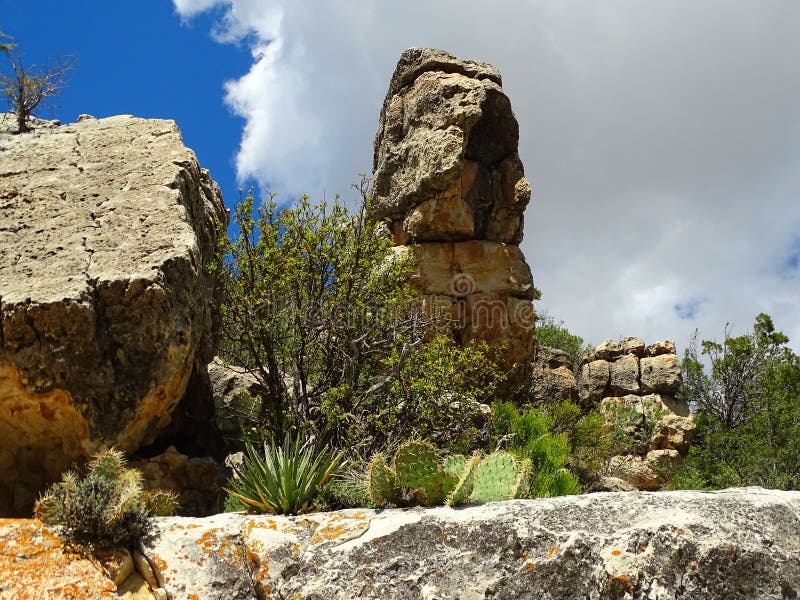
(662, 138)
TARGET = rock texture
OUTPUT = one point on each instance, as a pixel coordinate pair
(733, 544)
(448, 179)
(643, 380)
(106, 310)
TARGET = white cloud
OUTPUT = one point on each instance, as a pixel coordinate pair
(662, 139)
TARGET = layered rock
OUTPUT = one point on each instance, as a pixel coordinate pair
(636, 383)
(106, 229)
(734, 544)
(449, 181)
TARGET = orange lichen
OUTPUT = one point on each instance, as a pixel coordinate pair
(615, 553)
(553, 550)
(338, 526)
(529, 566)
(36, 564)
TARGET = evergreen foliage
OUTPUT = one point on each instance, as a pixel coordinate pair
(746, 393)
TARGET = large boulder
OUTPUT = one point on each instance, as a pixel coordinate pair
(737, 544)
(450, 184)
(106, 228)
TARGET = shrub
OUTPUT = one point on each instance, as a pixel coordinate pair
(105, 507)
(532, 435)
(319, 310)
(284, 479)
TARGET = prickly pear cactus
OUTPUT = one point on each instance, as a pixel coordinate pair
(454, 465)
(419, 470)
(495, 478)
(383, 485)
(463, 488)
(417, 465)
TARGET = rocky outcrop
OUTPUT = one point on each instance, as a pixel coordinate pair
(636, 384)
(551, 379)
(106, 308)
(733, 544)
(449, 181)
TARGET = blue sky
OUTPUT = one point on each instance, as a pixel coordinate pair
(137, 57)
(662, 139)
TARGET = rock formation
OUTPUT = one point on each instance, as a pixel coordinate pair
(106, 308)
(449, 181)
(628, 376)
(737, 544)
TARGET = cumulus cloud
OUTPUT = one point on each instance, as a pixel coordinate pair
(662, 139)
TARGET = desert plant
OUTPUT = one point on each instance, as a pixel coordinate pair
(283, 479)
(417, 476)
(105, 507)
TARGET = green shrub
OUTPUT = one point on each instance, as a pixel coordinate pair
(283, 479)
(105, 507)
(534, 435)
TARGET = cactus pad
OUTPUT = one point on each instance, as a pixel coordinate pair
(463, 488)
(495, 478)
(383, 485)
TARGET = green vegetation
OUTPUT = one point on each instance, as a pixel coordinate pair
(5, 46)
(105, 507)
(318, 309)
(746, 393)
(283, 479)
(553, 333)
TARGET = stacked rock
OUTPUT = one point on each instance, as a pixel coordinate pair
(449, 182)
(644, 379)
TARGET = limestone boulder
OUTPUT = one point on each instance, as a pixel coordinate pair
(593, 381)
(625, 375)
(106, 306)
(661, 374)
(469, 267)
(648, 472)
(447, 142)
(661, 347)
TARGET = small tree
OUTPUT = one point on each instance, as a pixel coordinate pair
(27, 87)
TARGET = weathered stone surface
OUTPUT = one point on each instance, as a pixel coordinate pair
(35, 564)
(553, 357)
(593, 381)
(476, 266)
(648, 472)
(236, 394)
(551, 385)
(198, 481)
(661, 374)
(625, 375)
(608, 350)
(663, 347)
(733, 544)
(633, 345)
(448, 178)
(105, 228)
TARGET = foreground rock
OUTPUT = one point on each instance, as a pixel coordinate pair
(449, 181)
(106, 227)
(732, 544)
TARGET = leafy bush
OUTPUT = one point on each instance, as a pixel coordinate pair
(105, 507)
(318, 309)
(745, 393)
(284, 479)
(553, 333)
(542, 437)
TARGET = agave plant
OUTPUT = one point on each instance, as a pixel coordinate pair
(283, 479)
(105, 507)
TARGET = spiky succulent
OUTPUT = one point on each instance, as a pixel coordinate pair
(105, 507)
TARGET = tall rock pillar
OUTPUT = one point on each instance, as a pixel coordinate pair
(448, 179)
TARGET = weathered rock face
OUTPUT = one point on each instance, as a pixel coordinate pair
(448, 178)
(733, 544)
(105, 229)
(640, 380)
